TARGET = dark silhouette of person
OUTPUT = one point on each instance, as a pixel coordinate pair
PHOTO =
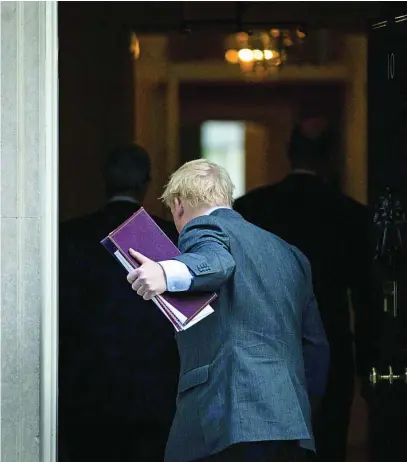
(331, 229)
(119, 363)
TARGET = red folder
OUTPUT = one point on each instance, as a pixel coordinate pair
(141, 233)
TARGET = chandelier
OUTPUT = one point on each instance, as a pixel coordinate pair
(262, 52)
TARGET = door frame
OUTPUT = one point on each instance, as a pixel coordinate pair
(49, 231)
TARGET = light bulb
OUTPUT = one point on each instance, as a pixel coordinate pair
(232, 57)
(245, 55)
(268, 54)
(258, 55)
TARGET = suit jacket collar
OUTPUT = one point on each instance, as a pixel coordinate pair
(302, 171)
(225, 211)
(213, 209)
(123, 198)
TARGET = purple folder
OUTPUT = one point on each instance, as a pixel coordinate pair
(141, 233)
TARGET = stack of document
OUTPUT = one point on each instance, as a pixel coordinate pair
(141, 233)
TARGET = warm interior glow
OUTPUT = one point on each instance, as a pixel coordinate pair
(242, 37)
(300, 34)
(268, 54)
(232, 56)
(266, 49)
(245, 55)
(257, 55)
(135, 46)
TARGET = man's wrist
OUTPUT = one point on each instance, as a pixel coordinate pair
(177, 275)
(165, 276)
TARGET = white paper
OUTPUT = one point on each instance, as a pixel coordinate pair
(123, 261)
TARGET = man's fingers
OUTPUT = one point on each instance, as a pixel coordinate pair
(148, 295)
(140, 291)
(136, 285)
(133, 275)
(143, 292)
(138, 256)
(147, 280)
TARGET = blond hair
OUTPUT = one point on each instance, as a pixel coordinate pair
(199, 182)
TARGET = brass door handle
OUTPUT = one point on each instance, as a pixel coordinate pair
(390, 377)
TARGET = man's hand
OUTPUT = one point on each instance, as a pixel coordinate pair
(149, 279)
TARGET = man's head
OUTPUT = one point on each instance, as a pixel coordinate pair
(311, 145)
(127, 172)
(195, 188)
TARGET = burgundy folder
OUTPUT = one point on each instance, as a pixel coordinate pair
(141, 233)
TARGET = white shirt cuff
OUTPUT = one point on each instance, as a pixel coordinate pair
(178, 277)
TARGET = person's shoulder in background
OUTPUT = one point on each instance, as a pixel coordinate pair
(350, 210)
(74, 227)
(254, 202)
(75, 231)
(90, 229)
(252, 196)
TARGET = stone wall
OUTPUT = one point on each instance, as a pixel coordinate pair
(28, 36)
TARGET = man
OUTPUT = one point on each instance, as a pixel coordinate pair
(118, 358)
(332, 231)
(242, 392)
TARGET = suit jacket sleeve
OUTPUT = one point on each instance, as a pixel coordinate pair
(206, 252)
(315, 352)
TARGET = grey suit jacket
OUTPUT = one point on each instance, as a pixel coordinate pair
(242, 368)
